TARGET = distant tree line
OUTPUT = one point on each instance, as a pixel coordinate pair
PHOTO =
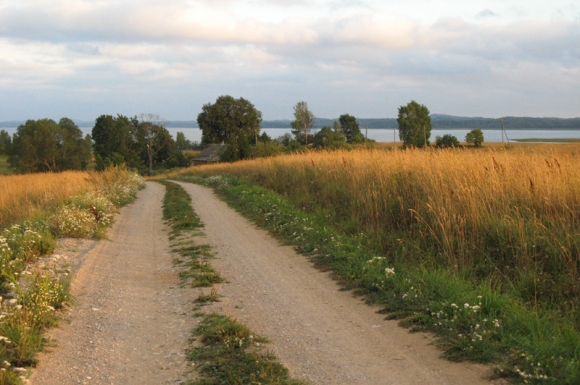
(138, 142)
(141, 142)
(46, 146)
(237, 123)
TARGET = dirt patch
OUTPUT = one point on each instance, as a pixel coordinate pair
(322, 334)
(131, 321)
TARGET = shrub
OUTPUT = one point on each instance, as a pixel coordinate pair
(475, 137)
(446, 141)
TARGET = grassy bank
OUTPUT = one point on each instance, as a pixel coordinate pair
(31, 294)
(228, 353)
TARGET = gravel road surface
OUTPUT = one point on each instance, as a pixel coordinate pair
(131, 320)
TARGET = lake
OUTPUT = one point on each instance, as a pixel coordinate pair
(386, 135)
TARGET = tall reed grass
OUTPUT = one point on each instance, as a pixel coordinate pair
(510, 218)
(25, 196)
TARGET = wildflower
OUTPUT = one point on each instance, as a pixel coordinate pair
(389, 272)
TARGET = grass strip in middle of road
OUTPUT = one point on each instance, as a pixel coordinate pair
(230, 352)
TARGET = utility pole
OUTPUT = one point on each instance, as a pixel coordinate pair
(367, 132)
(503, 132)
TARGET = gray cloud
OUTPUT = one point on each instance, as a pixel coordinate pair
(147, 54)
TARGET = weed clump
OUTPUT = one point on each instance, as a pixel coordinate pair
(231, 354)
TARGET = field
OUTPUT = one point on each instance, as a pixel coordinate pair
(509, 217)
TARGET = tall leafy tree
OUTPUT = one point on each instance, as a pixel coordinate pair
(414, 125)
(351, 129)
(228, 119)
(155, 141)
(5, 141)
(182, 142)
(115, 141)
(45, 146)
(303, 122)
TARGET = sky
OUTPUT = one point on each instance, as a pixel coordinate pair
(85, 58)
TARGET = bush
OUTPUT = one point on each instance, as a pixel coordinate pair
(446, 141)
(264, 149)
(475, 137)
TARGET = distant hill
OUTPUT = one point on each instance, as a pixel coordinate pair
(439, 121)
(510, 122)
(449, 121)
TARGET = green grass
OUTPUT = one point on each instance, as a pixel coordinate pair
(481, 322)
(177, 210)
(230, 352)
(5, 168)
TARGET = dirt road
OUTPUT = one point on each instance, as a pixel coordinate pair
(320, 333)
(131, 322)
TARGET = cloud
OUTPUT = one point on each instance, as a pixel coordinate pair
(209, 48)
(485, 14)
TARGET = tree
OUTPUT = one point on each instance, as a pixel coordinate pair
(238, 148)
(155, 141)
(351, 129)
(75, 149)
(5, 142)
(45, 146)
(303, 122)
(329, 138)
(475, 137)
(115, 141)
(284, 140)
(228, 119)
(182, 143)
(414, 125)
(446, 141)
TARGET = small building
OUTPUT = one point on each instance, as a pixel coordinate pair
(210, 154)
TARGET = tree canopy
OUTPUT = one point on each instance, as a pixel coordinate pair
(303, 122)
(139, 143)
(115, 141)
(446, 141)
(45, 146)
(414, 125)
(227, 119)
(475, 137)
(5, 142)
(329, 138)
(351, 128)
